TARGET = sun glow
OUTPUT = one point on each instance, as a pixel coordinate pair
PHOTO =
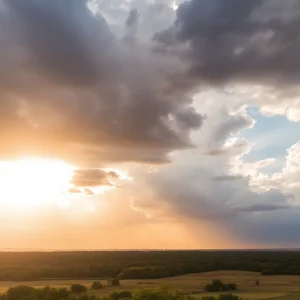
(33, 182)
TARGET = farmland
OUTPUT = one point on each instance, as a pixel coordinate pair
(279, 287)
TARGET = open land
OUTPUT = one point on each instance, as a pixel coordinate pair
(280, 287)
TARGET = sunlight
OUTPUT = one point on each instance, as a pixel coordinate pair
(32, 182)
(175, 5)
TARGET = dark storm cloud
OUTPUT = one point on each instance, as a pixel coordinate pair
(93, 178)
(63, 38)
(241, 40)
(133, 19)
(70, 88)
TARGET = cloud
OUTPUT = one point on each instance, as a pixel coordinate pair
(254, 40)
(93, 178)
(95, 88)
(222, 192)
(132, 19)
(287, 180)
(73, 89)
(194, 187)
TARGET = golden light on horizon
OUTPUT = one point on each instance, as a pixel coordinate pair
(33, 181)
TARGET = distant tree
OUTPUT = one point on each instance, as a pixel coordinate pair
(78, 288)
(114, 282)
(49, 293)
(96, 285)
(257, 282)
(19, 292)
(219, 286)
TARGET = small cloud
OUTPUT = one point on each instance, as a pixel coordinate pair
(89, 192)
(74, 191)
(93, 178)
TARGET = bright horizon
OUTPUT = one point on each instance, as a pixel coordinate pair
(168, 124)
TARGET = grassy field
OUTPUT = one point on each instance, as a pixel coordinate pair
(271, 287)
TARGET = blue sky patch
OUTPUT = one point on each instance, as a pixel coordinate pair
(272, 136)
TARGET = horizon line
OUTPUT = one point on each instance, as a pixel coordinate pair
(37, 250)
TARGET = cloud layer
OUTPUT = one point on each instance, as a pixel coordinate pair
(164, 95)
(70, 84)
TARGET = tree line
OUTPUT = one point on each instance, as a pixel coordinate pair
(79, 292)
(141, 264)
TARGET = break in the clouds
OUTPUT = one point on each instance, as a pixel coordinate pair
(163, 94)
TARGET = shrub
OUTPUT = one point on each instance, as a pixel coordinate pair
(78, 288)
(96, 285)
(120, 295)
(20, 292)
(114, 282)
(208, 298)
(219, 286)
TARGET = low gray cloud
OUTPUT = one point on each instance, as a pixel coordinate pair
(204, 190)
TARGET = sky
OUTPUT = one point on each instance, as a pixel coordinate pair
(149, 124)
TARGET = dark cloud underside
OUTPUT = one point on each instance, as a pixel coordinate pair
(68, 80)
(242, 40)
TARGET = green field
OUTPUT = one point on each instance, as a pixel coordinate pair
(271, 287)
